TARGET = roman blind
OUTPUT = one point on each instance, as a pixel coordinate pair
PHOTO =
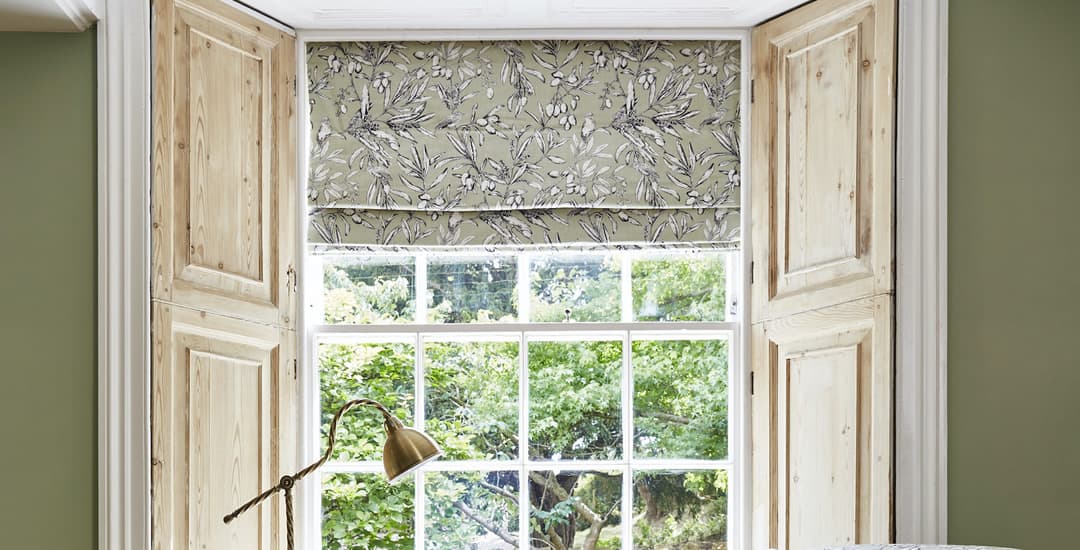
(524, 144)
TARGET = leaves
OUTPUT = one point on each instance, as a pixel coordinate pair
(500, 117)
(472, 408)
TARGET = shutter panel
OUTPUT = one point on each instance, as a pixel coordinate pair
(223, 369)
(222, 428)
(223, 195)
(822, 316)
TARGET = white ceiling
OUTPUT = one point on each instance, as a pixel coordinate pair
(76, 15)
(47, 15)
(520, 14)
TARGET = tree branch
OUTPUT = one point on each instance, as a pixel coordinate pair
(596, 523)
(498, 490)
(512, 541)
(667, 417)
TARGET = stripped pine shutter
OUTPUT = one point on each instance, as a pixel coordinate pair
(822, 315)
(223, 284)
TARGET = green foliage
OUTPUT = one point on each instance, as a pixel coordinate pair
(383, 372)
(473, 291)
(574, 400)
(453, 497)
(588, 286)
(679, 288)
(368, 292)
(365, 511)
(681, 511)
(680, 398)
(473, 416)
(680, 404)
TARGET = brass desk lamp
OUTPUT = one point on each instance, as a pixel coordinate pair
(406, 449)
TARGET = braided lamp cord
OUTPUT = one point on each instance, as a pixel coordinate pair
(285, 485)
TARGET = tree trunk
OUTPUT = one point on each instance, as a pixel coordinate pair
(544, 498)
(652, 509)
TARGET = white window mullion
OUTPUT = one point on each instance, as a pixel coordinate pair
(311, 441)
(419, 384)
(420, 511)
(421, 289)
(420, 389)
(738, 480)
(626, 293)
(524, 303)
(313, 290)
(626, 525)
(524, 506)
(587, 331)
(733, 281)
(625, 330)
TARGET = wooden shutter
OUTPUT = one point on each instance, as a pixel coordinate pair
(223, 392)
(822, 293)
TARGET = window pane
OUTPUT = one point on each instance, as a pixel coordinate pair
(373, 289)
(574, 400)
(583, 509)
(365, 511)
(472, 290)
(679, 287)
(680, 510)
(586, 285)
(472, 407)
(680, 399)
(471, 510)
(383, 372)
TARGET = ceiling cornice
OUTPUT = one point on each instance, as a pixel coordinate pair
(48, 15)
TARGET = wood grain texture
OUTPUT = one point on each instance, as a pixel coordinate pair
(822, 154)
(823, 404)
(223, 279)
(822, 303)
(223, 227)
(222, 404)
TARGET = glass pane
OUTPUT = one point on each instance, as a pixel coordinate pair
(585, 285)
(689, 286)
(680, 398)
(472, 406)
(472, 290)
(471, 510)
(680, 510)
(365, 511)
(574, 400)
(383, 372)
(373, 289)
(580, 510)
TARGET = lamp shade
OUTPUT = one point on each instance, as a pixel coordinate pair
(407, 449)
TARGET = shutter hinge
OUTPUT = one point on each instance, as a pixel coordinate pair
(751, 382)
(294, 369)
(751, 91)
(751, 272)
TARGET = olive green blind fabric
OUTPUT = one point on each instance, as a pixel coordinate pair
(524, 144)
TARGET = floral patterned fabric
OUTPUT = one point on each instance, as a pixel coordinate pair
(918, 547)
(524, 144)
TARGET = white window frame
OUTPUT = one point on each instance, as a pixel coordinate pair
(739, 500)
(626, 330)
(124, 460)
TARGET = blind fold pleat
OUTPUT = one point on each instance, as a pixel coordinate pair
(523, 145)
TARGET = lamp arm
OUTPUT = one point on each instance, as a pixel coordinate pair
(287, 481)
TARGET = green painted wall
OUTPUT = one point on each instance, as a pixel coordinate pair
(47, 281)
(1014, 265)
(1014, 273)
